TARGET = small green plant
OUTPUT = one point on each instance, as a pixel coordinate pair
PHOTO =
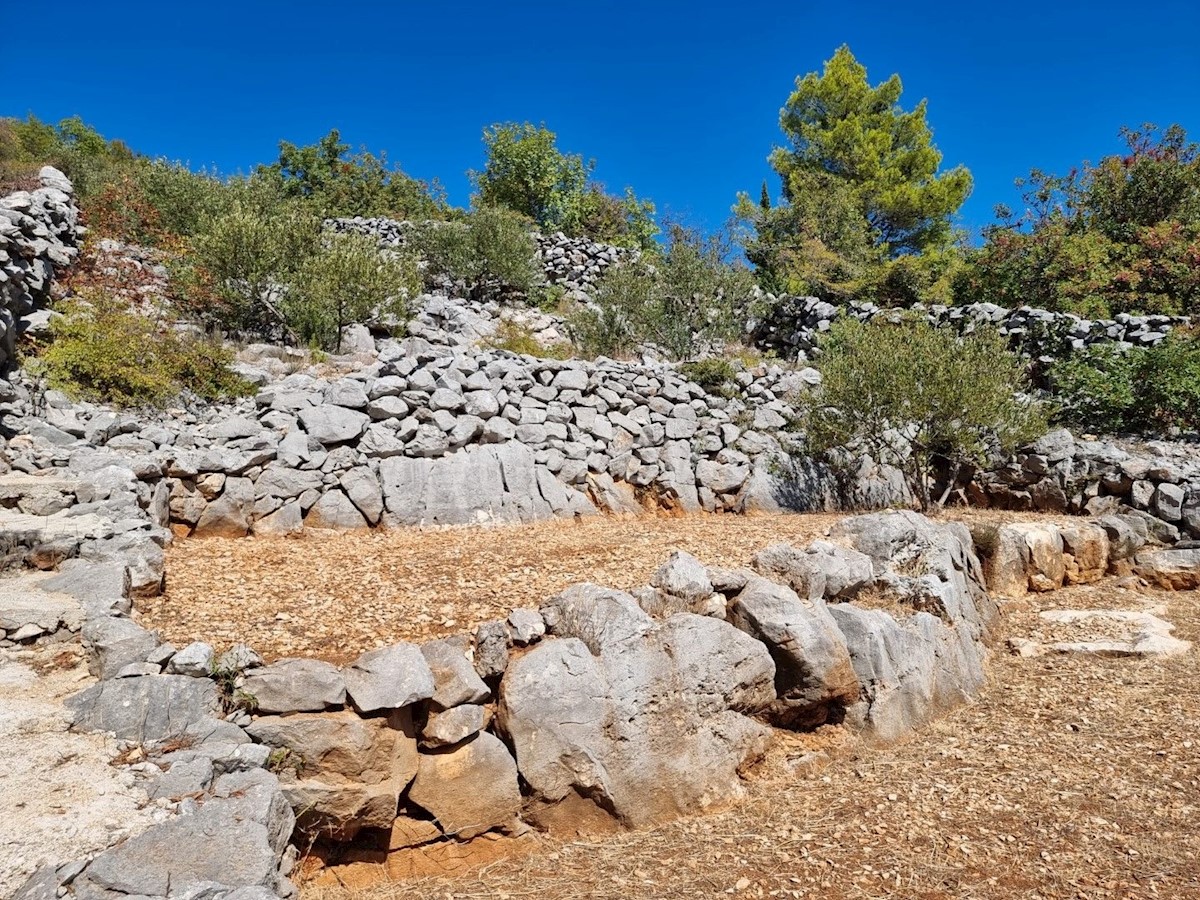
(517, 339)
(103, 351)
(715, 375)
(283, 759)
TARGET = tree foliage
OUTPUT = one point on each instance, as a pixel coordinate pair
(1122, 235)
(920, 398)
(682, 301)
(527, 173)
(1109, 390)
(860, 191)
(348, 280)
(341, 183)
(491, 252)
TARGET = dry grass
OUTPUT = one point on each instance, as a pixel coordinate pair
(334, 596)
(1071, 777)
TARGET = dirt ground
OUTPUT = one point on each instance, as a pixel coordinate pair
(60, 797)
(334, 595)
(1071, 777)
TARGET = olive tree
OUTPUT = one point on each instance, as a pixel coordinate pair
(920, 398)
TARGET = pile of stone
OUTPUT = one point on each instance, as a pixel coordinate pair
(1156, 482)
(794, 325)
(39, 234)
(419, 434)
(390, 233)
(578, 264)
(464, 324)
(599, 708)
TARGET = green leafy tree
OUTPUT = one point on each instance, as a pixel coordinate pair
(239, 262)
(860, 187)
(491, 252)
(1109, 390)
(685, 300)
(527, 173)
(349, 280)
(341, 183)
(1122, 235)
(920, 398)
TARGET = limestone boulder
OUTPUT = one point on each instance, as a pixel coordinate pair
(1172, 570)
(1086, 553)
(295, 685)
(813, 673)
(342, 772)
(389, 678)
(622, 718)
(469, 788)
(148, 708)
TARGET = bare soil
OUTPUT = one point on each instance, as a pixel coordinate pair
(1071, 777)
(333, 596)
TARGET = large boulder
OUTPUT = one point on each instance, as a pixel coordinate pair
(234, 840)
(911, 667)
(341, 772)
(1173, 570)
(389, 678)
(469, 788)
(813, 672)
(622, 719)
(149, 708)
(114, 642)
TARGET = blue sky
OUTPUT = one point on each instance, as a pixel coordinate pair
(678, 99)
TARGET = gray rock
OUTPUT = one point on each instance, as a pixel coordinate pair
(152, 708)
(333, 424)
(342, 772)
(447, 727)
(389, 678)
(114, 643)
(814, 677)
(1168, 502)
(525, 626)
(683, 576)
(295, 685)
(455, 680)
(228, 515)
(470, 788)
(644, 730)
(334, 511)
(492, 641)
(196, 660)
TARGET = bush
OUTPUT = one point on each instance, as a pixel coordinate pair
(242, 259)
(1106, 389)
(104, 352)
(349, 280)
(919, 398)
(714, 374)
(516, 339)
(492, 252)
(683, 301)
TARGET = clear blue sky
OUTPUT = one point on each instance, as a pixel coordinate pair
(678, 99)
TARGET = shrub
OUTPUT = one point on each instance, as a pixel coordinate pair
(490, 253)
(681, 302)
(103, 351)
(240, 260)
(516, 339)
(714, 374)
(919, 398)
(349, 280)
(1109, 390)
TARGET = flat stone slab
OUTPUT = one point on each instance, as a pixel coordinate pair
(28, 530)
(1125, 633)
(23, 604)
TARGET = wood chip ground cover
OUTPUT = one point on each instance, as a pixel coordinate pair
(1071, 777)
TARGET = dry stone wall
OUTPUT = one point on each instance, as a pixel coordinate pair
(794, 325)
(39, 235)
